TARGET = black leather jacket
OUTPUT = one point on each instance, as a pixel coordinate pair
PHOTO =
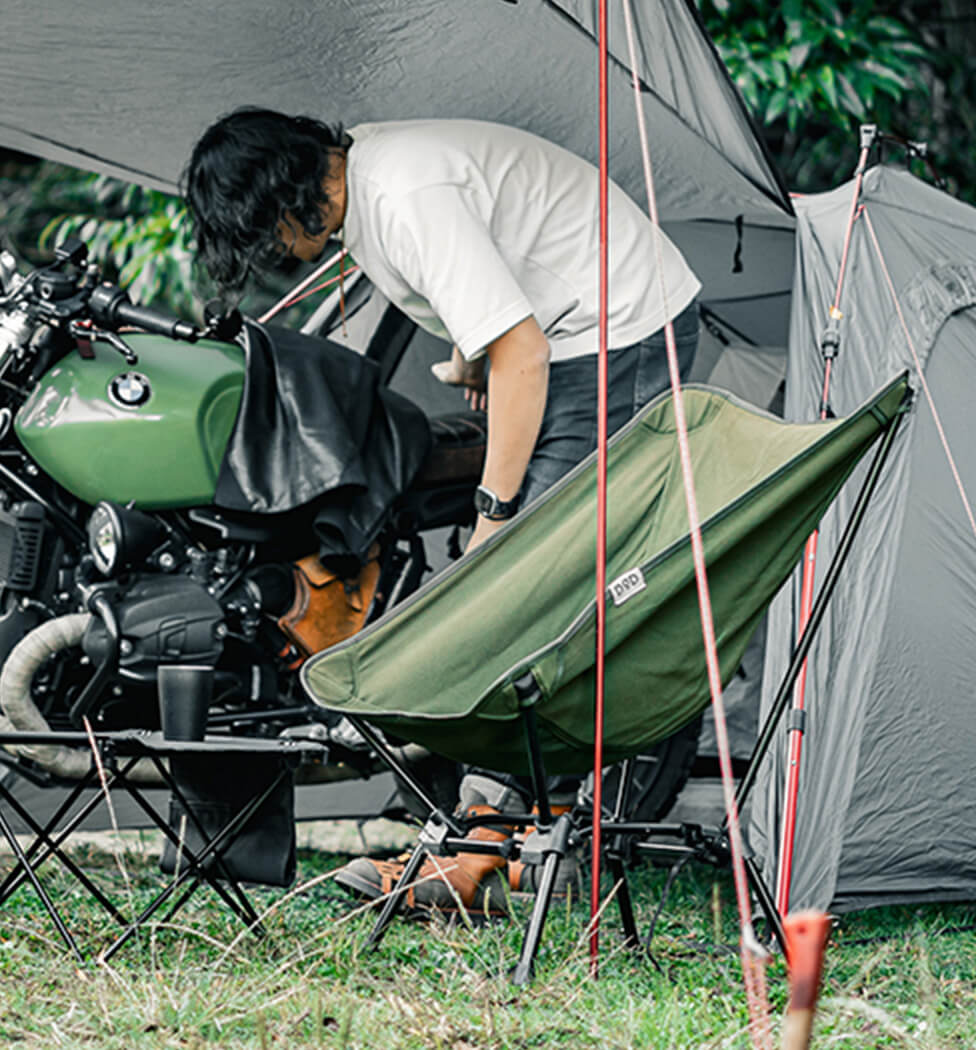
(316, 429)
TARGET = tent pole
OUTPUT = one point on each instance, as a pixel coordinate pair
(829, 346)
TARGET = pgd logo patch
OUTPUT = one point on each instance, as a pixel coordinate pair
(625, 587)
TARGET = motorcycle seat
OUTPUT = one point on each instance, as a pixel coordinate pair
(457, 451)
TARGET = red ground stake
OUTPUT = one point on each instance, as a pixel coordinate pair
(806, 938)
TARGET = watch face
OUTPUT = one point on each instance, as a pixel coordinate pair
(490, 506)
(484, 501)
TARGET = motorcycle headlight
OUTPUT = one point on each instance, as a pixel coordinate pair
(119, 537)
(105, 537)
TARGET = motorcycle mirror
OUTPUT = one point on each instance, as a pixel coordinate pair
(222, 324)
(71, 250)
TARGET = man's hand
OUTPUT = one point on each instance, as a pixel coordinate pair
(482, 530)
(468, 374)
(518, 382)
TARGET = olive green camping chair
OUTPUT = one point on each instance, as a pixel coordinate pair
(492, 661)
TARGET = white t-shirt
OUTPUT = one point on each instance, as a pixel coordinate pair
(470, 227)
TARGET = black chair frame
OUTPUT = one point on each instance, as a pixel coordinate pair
(445, 834)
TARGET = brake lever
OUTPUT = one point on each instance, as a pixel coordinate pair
(89, 333)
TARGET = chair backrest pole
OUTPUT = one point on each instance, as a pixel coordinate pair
(806, 639)
(528, 692)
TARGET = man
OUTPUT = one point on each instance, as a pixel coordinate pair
(487, 236)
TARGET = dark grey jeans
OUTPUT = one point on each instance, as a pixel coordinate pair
(636, 374)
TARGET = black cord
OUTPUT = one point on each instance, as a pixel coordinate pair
(668, 883)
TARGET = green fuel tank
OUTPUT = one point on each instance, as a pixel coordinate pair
(152, 433)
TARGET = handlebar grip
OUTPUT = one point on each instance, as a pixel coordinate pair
(146, 318)
(112, 306)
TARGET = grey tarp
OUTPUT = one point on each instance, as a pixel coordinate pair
(886, 788)
(126, 87)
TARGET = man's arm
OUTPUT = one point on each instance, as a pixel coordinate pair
(518, 381)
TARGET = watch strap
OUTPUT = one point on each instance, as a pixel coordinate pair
(489, 506)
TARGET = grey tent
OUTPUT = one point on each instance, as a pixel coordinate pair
(886, 788)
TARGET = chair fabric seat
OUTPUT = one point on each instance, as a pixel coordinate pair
(441, 668)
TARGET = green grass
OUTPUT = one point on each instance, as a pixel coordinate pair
(898, 977)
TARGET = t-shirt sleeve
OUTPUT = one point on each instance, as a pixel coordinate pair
(446, 253)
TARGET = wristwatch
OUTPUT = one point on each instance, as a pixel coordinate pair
(489, 506)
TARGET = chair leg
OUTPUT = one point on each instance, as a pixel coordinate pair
(524, 969)
(41, 892)
(392, 903)
(625, 904)
(766, 903)
(554, 846)
(615, 858)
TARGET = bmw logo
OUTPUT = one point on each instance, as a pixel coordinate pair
(130, 389)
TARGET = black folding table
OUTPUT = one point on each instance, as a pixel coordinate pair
(117, 754)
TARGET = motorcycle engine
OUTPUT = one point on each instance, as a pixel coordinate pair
(162, 619)
(31, 554)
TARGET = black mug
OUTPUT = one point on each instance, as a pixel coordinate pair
(184, 700)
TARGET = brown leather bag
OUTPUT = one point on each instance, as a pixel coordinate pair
(326, 608)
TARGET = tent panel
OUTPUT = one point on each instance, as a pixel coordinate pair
(927, 239)
(676, 61)
(909, 828)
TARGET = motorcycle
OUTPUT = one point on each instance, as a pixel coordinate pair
(115, 559)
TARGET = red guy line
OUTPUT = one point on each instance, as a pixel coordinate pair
(601, 498)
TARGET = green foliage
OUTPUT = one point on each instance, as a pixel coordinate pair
(139, 236)
(811, 71)
(801, 59)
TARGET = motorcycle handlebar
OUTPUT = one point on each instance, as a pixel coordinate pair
(113, 307)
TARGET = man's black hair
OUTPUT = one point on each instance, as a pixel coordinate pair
(249, 169)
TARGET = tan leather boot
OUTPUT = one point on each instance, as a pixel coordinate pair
(473, 881)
